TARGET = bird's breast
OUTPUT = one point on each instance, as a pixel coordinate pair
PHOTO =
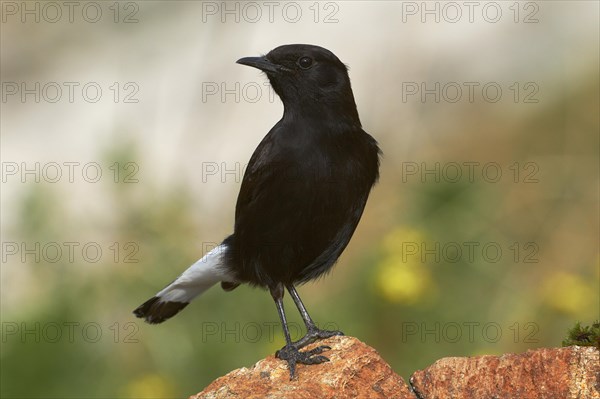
(298, 210)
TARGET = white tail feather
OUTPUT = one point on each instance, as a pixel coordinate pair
(194, 281)
(198, 278)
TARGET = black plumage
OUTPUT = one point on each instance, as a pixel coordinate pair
(302, 195)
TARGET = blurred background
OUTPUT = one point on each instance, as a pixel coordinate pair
(125, 129)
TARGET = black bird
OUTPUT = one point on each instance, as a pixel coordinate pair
(302, 196)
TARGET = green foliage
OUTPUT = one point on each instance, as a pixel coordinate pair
(583, 336)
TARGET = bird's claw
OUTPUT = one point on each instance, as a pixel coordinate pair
(315, 334)
(293, 356)
(322, 334)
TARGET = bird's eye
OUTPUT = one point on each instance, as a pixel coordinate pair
(305, 62)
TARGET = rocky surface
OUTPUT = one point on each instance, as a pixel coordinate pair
(571, 372)
(357, 371)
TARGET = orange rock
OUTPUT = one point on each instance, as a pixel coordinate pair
(355, 370)
(555, 373)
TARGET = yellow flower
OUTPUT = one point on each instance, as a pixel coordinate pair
(568, 293)
(149, 386)
(401, 278)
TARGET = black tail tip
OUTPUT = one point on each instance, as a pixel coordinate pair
(155, 310)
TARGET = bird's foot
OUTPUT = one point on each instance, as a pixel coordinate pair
(293, 356)
(314, 334)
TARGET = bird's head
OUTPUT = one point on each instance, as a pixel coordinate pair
(306, 75)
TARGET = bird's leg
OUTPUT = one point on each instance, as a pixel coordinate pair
(312, 332)
(290, 352)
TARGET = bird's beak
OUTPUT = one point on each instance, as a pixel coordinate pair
(261, 63)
